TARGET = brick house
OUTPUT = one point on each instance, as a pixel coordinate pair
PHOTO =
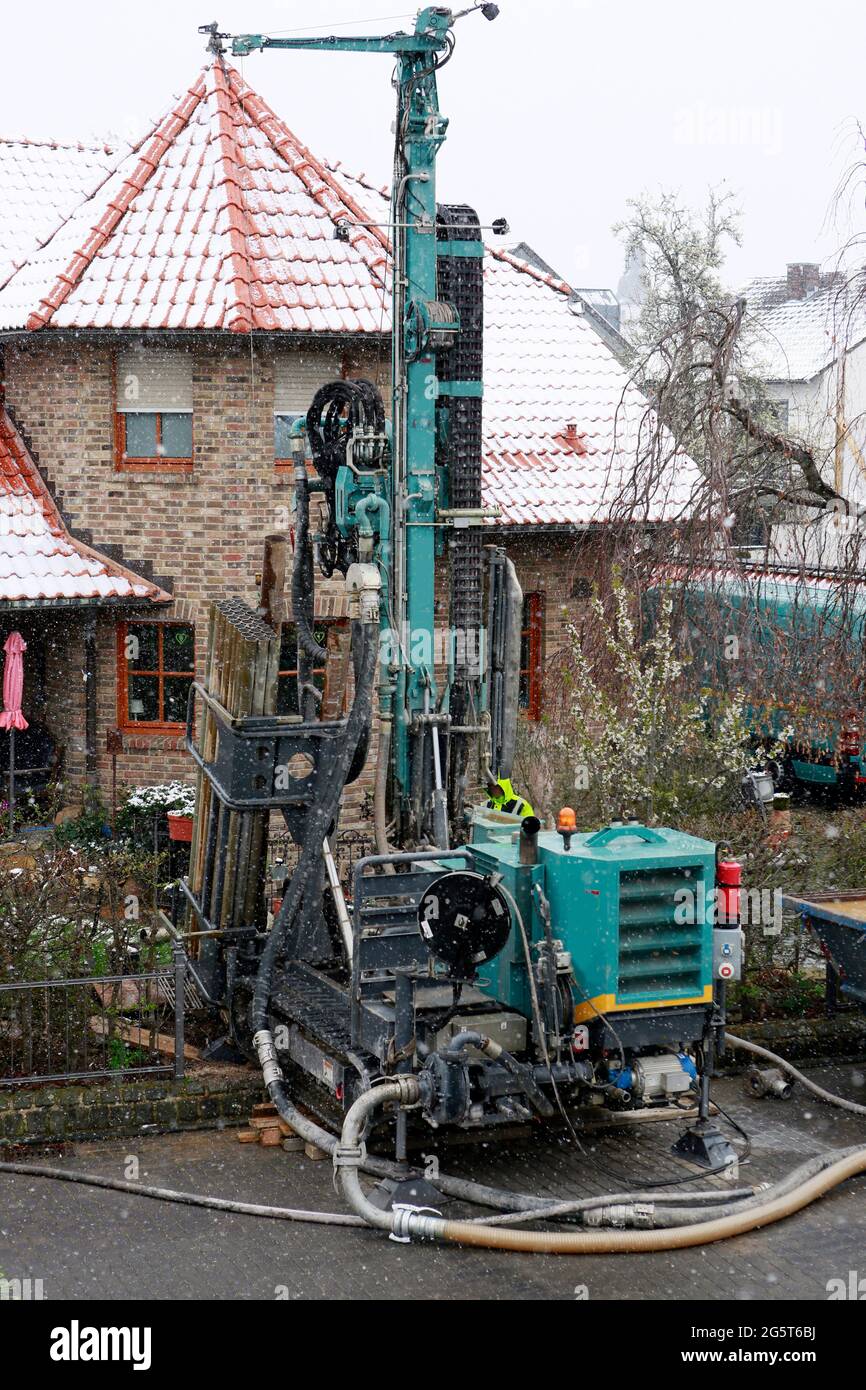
(166, 311)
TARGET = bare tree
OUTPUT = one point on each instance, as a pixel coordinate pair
(791, 644)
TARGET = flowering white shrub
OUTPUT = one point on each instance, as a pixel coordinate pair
(634, 737)
(174, 797)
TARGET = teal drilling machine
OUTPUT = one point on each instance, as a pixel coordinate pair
(499, 973)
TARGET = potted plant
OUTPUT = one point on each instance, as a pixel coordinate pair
(174, 799)
(180, 815)
(180, 826)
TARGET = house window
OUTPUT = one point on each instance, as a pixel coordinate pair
(287, 690)
(156, 665)
(531, 636)
(297, 378)
(283, 436)
(153, 417)
(781, 412)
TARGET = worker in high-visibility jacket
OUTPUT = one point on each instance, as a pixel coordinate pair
(503, 797)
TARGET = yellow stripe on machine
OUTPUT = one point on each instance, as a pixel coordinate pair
(607, 1004)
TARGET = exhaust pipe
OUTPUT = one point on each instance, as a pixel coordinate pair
(529, 828)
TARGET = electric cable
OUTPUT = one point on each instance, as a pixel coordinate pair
(192, 1199)
(739, 1128)
(539, 1022)
(677, 1209)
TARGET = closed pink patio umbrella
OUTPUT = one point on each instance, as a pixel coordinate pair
(12, 718)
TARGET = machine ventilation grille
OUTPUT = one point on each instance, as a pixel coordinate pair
(659, 956)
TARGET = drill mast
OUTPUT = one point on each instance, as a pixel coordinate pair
(394, 506)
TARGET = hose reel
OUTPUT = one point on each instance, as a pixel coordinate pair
(465, 921)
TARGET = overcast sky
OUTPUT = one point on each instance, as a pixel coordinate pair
(560, 110)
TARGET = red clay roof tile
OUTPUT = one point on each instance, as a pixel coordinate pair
(224, 189)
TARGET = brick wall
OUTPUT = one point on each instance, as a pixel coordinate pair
(203, 530)
(565, 569)
(209, 1098)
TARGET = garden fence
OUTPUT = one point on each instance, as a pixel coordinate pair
(94, 1026)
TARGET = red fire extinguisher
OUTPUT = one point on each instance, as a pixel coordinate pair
(729, 878)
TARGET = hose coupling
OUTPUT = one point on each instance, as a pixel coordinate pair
(420, 1222)
(263, 1042)
(410, 1090)
(768, 1081)
(623, 1215)
(350, 1155)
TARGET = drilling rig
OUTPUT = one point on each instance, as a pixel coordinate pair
(504, 973)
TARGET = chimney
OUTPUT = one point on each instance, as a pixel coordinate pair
(571, 438)
(803, 278)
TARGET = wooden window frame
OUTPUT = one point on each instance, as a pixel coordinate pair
(349, 368)
(122, 464)
(284, 465)
(124, 721)
(533, 627)
(158, 464)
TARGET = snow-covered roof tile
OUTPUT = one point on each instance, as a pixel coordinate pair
(566, 434)
(220, 190)
(794, 339)
(41, 181)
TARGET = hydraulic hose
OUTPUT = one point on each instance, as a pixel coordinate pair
(350, 1152)
(467, 1233)
(641, 1210)
(302, 572)
(827, 1096)
(461, 1189)
(632, 1242)
(380, 791)
(580, 1205)
(196, 1199)
(349, 1155)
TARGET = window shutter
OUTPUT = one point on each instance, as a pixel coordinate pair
(297, 378)
(153, 379)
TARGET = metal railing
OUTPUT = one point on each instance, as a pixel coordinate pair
(94, 1026)
(350, 845)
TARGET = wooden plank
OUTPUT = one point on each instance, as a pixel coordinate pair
(137, 1036)
(242, 674)
(852, 908)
